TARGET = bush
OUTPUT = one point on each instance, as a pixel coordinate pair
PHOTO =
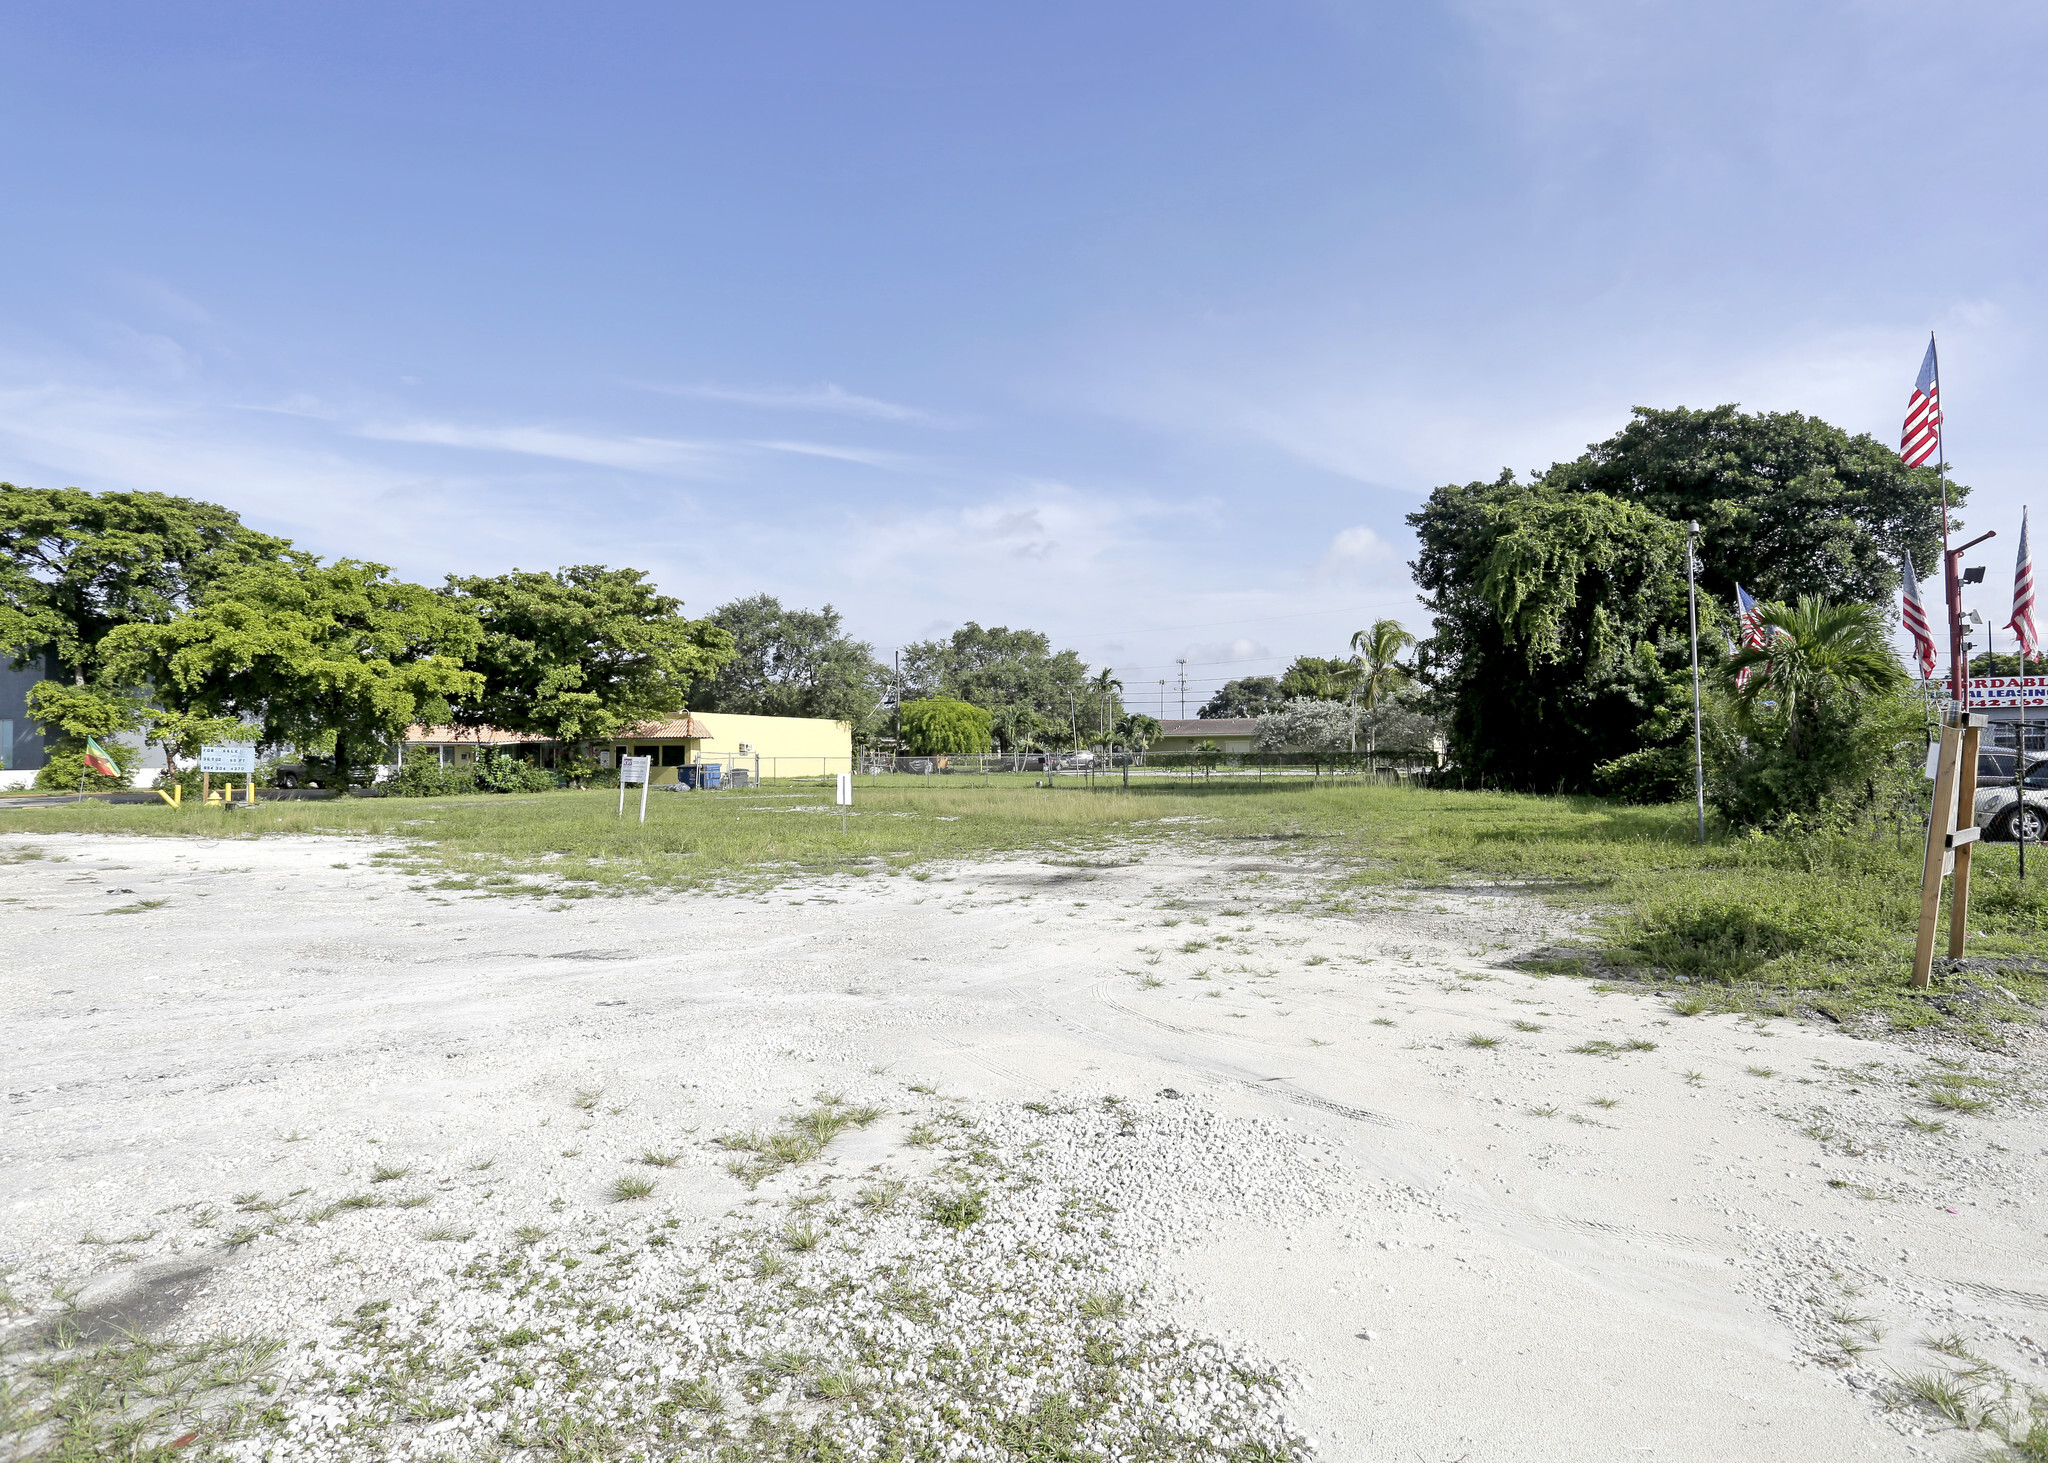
(66, 765)
(497, 772)
(1856, 753)
(1722, 939)
(1653, 775)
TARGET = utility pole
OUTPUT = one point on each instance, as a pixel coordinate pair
(1692, 615)
(1952, 585)
(1162, 700)
(897, 691)
(1073, 719)
(1183, 688)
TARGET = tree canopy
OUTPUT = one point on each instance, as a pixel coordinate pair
(1560, 628)
(1249, 696)
(338, 655)
(940, 725)
(791, 662)
(580, 654)
(1560, 608)
(74, 565)
(1016, 676)
(1786, 504)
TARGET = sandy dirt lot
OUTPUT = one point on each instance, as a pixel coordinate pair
(1175, 1157)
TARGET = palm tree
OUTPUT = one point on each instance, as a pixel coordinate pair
(1107, 690)
(1375, 665)
(1812, 650)
(1378, 653)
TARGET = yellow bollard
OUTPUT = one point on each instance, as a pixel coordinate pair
(175, 797)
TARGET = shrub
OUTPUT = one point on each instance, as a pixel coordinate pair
(1653, 775)
(1725, 939)
(1852, 752)
(497, 772)
(65, 765)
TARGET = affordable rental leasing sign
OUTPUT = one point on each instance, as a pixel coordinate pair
(2009, 690)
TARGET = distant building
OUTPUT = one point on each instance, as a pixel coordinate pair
(1229, 733)
(782, 746)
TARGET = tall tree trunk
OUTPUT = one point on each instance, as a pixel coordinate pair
(341, 763)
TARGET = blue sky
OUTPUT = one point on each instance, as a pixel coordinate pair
(1143, 324)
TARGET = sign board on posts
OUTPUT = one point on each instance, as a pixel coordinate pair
(634, 769)
(843, 791)
(228, 759)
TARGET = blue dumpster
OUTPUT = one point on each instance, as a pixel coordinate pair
(687, 775)
(708, 773)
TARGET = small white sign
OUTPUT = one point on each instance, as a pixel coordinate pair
(634, 769)
(843, 791)
(227, 759)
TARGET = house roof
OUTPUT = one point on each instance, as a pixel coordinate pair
(685, 726)
(483, 735)
(1210, 726)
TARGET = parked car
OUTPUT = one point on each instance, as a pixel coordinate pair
(1999, 810)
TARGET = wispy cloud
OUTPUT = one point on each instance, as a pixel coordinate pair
(635, 454)
(863, 455)
(824, 397)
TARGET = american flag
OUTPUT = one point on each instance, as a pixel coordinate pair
(1921, 439)
(2022, 622)
(1749, 629)
(1914, 617)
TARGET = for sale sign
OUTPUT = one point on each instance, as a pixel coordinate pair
(228, 759)
(634, 769)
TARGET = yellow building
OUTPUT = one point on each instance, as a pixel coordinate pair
(760, 746)
(1229, 733)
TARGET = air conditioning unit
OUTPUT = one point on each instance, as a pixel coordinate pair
(746, 749)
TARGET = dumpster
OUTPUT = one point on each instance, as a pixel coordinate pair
(707, 774)
(687, 775)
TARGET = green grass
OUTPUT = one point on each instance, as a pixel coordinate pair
(1762, 925)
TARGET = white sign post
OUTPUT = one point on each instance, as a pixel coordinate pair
(228, 758)
(635, 769)
(842, 794)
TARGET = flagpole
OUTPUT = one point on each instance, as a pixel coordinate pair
(1958, 675)
(1692, 613)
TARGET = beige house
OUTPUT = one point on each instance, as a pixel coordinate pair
(1229, 733)
(765, 746)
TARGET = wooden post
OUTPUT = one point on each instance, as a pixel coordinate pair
(1948, 844)
(1966, 818)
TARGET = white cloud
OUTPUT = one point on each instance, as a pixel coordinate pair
(824, 397)
(635, 454)
(867, 457)
(1357, 553)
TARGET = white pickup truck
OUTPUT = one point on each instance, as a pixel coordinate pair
(1999, 811)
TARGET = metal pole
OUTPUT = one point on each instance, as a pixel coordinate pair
(643, 794)
(2019, 762)
(1692, 613)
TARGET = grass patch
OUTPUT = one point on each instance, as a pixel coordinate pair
(800, 1139)
(626, 1189)
(957, 1211)
(1764, 925)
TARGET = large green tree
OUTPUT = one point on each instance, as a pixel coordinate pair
(1787, 504)
(1560, 638)
(74, 565)
(1560, 629)
(580, 654)
(1247, 696)
(1033, 692)
(336, 656)
(792, 662)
